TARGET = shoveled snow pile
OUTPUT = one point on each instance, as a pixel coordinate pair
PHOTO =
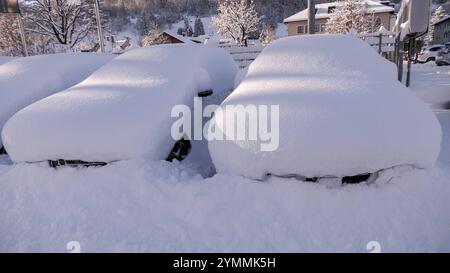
(342, 113)
(121, 111)
(27, 80)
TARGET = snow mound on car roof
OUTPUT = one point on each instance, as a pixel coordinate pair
(121, 111)
(342, 113)
(27, 80)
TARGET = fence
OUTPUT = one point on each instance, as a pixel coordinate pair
(243, 56)
(383, 43)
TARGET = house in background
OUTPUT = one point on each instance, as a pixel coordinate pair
(172, 38)
(442, 31)
(298, 23)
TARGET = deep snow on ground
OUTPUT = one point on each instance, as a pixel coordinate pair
(143, 206)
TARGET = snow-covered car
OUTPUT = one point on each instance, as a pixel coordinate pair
(342, 114)
(27, 80)
(123, 110)
(429, 53)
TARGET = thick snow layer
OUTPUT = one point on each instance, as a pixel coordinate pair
(142, 206)
(342, 112)
(121, 111)
(27, 80)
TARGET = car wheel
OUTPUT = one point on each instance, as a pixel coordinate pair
(430, 59)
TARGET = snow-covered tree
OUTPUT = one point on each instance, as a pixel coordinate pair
(199, 29)
(236, 20)
(11, 42)
(351, 14)
(187, 28)
(438, 14)
(267, 35)
(67, 22)
(154, 36)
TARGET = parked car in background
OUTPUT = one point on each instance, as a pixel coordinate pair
(429, 53)
(443, 56)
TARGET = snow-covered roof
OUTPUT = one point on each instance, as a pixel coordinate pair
(443, 19)
(184, 39)
(323, 10)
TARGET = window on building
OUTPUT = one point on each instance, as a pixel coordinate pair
(331, 9)
(320, 28)
(302, 29)
(317, 28)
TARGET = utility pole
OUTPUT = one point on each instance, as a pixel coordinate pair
(311, 17)
(99, 26)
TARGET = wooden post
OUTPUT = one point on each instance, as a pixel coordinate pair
(311, 17)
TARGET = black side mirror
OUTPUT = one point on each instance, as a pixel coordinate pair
(204, 94)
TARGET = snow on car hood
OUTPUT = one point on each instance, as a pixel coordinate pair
(121, 111)
(341, 111)
(27, 80)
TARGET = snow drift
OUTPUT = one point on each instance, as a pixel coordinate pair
(342, 113)
(121, 111)
(27, 80)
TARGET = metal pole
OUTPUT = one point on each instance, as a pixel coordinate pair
(400, 62)
(99, 26)
(380, 43)
(408, 73)
(311, 17)
(22, 35)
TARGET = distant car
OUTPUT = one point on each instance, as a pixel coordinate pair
(340, 118)
(429, 53)
(123, 110)
(443, 56)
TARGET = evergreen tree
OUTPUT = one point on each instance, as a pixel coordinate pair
(199, 29)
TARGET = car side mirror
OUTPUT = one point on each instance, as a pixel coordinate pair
(204, 94)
